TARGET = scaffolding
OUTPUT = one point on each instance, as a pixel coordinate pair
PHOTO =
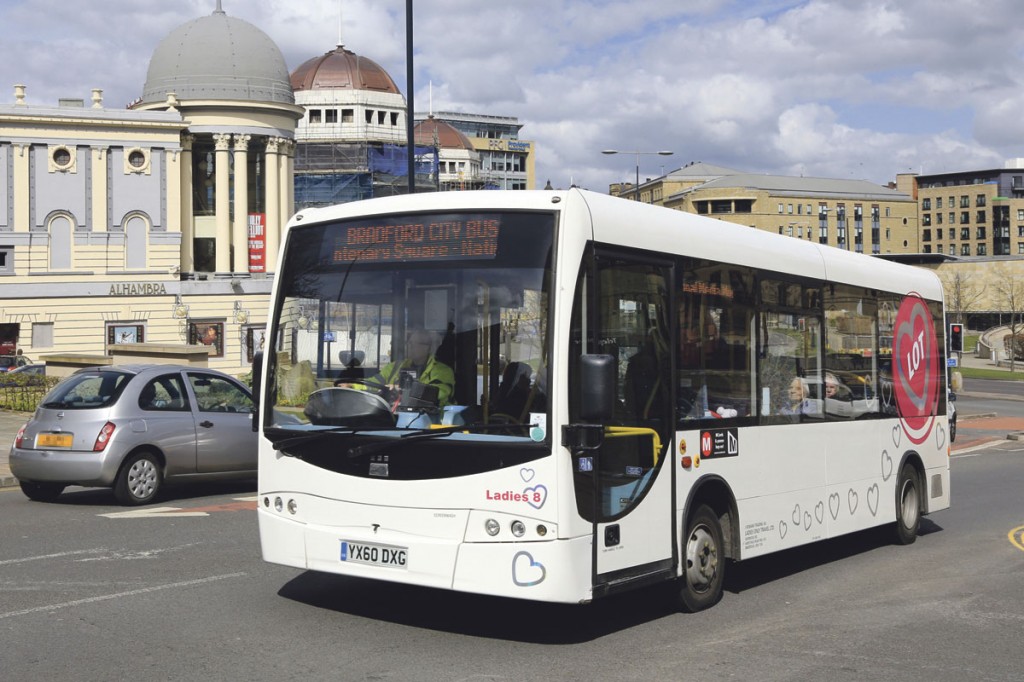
(329, 173)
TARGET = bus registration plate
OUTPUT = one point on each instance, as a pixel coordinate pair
(389, 556)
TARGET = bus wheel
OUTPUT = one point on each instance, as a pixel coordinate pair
(908, 505)
(704, 570)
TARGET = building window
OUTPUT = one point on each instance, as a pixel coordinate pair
(952, 218)
(369, 115)
(394, 118)
(137, 159)
(314, 115)
(938, 202)
(60, 229)
(42, 335)
(980, 234)
(965, 233)
(927, 248)
(926, 204)
(965, 249)
(965, 201)
(981, 217)
(965, 217)
(980, 200)
(780, 209)
(6, 260)
(982, 249)
(938, 218)
(926, 235)
(926, 219)
(331, 116)
(348, 115)
(952, 249)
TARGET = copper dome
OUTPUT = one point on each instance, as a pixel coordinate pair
(448, 137)
(341, 68)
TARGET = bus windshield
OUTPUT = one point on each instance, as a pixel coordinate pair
(414, 322)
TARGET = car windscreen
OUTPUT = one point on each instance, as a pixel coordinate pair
(87, 390)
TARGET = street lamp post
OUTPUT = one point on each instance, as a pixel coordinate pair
(636, 188)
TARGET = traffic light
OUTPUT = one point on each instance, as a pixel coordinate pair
(956, 338)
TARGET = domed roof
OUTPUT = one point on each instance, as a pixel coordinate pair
(447, 136)
(218, 57)
(341, 68)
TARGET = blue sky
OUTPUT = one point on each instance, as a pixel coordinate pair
(833, 88)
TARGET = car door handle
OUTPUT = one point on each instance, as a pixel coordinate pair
(206, 424)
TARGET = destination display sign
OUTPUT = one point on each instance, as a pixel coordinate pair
(433, 238)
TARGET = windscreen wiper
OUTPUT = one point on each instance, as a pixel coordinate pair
(307, 437)
(379, 445)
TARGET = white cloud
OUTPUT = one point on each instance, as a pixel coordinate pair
(844, 88)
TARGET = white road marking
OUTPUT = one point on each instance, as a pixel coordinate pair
(59, 555)
(119, 595)
(161, 512)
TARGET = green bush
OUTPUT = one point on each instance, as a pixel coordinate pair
(23, 392)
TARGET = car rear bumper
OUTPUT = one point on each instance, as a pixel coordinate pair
(63, 466)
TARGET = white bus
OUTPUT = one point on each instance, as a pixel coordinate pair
(634, 395)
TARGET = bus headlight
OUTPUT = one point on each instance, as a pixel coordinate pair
(518, 528)
(292, 507)
(492, 527)
(278, 504)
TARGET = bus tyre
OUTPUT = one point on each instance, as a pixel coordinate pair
(908, 505)
(139, 479)
(704, 561)
(41, 492)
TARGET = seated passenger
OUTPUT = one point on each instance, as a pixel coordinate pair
(798, 399)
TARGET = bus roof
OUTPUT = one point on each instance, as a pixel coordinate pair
(663, 230)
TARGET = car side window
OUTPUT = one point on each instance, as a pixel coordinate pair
(165, 394)
(214, 394)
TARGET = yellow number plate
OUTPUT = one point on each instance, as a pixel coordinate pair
(54, 440)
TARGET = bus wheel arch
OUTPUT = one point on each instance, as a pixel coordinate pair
(909, 498)
(708, 540)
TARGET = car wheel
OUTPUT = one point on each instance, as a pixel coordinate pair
(704, 570)
(952, 429)
(139, 479)
(908, 506)
(42, 492)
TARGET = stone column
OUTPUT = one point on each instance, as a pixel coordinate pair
(240, 233)
(273, 194)
(22, 197)
(187, 219)
(287, 185)
(98, 178)
(222, 199)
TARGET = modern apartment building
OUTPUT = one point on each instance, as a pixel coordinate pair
(972, 213)
(855, 215)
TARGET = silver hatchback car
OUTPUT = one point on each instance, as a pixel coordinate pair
(132, 427)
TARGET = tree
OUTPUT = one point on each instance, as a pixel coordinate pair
(1008, 295)
(962, 294)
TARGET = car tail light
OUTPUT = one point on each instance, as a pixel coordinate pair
(20, 437)
(104, 437)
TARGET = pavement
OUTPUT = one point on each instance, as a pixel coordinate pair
(973, 430)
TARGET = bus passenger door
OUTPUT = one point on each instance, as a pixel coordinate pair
(623, 486)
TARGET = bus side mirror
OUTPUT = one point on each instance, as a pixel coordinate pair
(257, 387)
(597, 391)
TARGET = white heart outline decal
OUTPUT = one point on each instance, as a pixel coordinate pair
(833, 505)
(539, 488)
(886, 465)
(524, 570)
(527, 474)
(873, 503)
